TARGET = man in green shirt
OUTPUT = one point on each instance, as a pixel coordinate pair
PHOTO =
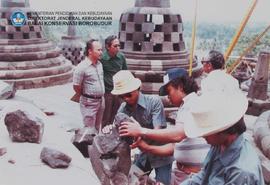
(113, 61)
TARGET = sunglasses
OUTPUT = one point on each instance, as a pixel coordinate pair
(116, 45)
(127, 95)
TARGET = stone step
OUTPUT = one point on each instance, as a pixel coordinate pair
(158, 64)
(22, 41)
(33, 73)
(30, 55)
(157, 56)
(26, 48)
(41, 82)
(33, 64)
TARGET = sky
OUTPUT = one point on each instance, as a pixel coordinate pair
(208, 10)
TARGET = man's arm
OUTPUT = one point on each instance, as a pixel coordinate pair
(172, 134)
(163, 150)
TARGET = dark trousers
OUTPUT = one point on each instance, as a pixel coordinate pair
(112, 103)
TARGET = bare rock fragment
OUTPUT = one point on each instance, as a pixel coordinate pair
(54, 158)
(110, 155)
(3, 151)
(82, 138)
(23, 127)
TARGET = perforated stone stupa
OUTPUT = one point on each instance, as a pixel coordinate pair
(27, 58)
(72, 45)
(151, 37)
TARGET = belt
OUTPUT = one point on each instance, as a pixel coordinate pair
(188, 169)
(92, 96)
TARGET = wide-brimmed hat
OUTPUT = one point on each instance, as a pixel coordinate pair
(213, 112)
(124, 82)
(170, 75)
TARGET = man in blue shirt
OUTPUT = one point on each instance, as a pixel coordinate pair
(218, 117)
(148, 110)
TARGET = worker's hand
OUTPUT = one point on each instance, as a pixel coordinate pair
(140, 143)
(107, 129)
(133, 129)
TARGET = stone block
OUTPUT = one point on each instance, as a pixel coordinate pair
(124, 18)
(24, 127)
(148, 27)
(167, 46)
(180, 28)
(10, 29)
(130, 27)
(139, 18)
(157, 37)
(122, 37)
(175, 37)
(37, 28)
(25, 29)
(54, 158)
(174, 19)
(167, 28)
(110, 155)
(129, 45)
(83, 138)
(147, 46)
(18, 35)
(6, 90)
(138, 37)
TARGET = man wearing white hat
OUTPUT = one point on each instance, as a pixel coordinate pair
(218, 117)
(148, 110)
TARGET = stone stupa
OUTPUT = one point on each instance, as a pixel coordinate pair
(72, 45)
(151, 37)
(27, 58)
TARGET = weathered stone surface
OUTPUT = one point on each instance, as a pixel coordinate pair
(23, 128)
(110, 155)
(82, 138)
(28, 168)
(22, 48)
(72, 45)
(151, 37)
(258, 88)
(6, 90)
(54, 158)
(261, 132)
(3, 151)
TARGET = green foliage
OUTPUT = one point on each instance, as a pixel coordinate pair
(208, 35)
(219, 36)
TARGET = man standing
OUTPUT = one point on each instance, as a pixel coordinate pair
(88, 83)
(112, 61)
(148, 110)
(217, 78)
